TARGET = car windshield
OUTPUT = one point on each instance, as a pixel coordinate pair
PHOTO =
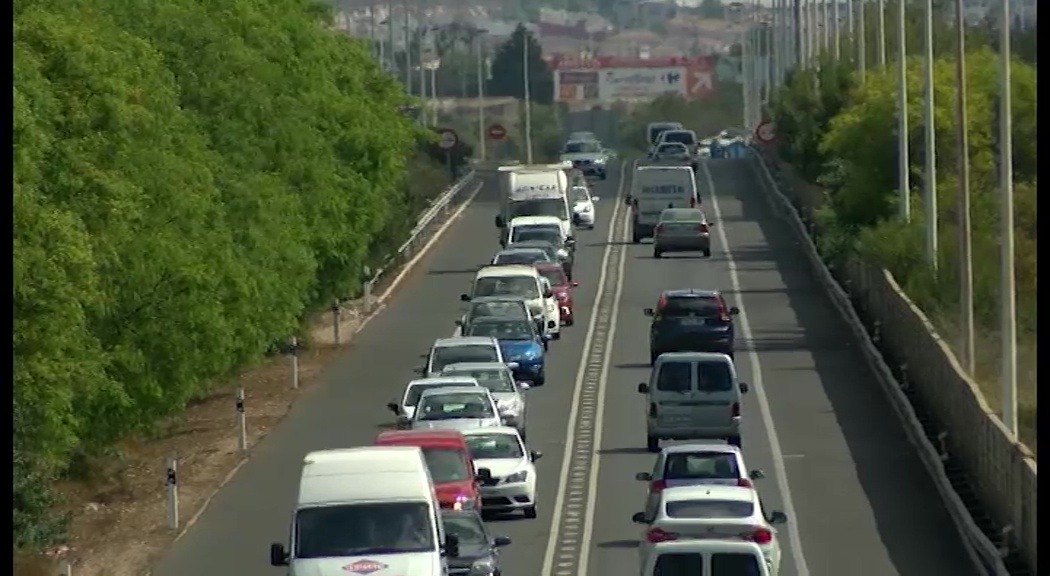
(445, 355)
(363, 529)
(701, 466)
(703, 307)
(686, 138)
(556, 276)
(582, 147)
(538, 207)
(579, 194)
(416, 390)
(507, 308)
(502, 329)
(525, 256)
(453, 406)
(672, 148)
(548, 232)
(446, 464)
(709, 509)
(521, 286)
(467, 527)
(495, 379)
(494, 446)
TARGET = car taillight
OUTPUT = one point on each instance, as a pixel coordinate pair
(736, 409)
(761, 536)
(702, 228)
(744, 483)
(657, 485)
(656, 535)
(661, 302)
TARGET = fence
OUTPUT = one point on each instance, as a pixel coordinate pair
(1000, 470)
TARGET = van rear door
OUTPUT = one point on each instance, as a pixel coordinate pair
(714, 393)
(673, 394)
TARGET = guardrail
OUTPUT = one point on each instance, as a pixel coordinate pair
(1002, 469)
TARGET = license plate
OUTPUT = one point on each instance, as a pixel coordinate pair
(694, 322)
(675, 419)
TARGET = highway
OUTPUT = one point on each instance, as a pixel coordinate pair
(816, 422)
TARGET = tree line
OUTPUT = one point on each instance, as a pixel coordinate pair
(190, 180)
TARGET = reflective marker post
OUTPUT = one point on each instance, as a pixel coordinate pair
(171, 483)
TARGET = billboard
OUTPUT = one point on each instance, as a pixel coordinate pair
(609, 78)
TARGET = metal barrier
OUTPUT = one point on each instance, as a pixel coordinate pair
(1003, 470)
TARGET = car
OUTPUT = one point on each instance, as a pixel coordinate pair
(415, 388)
(562, 287)
(582, 137)
(655, 129)
(691, 320)
(587, 156)
(682, 136)
(456, 408)
(690, 396)
(512, 485)
(565, 246)
(523, 282)
(682, 230)
(523, 256)
(520, 344)
(449, 462)
(536, 227)
(698, 464)
(557, 254)
(582, 206)
(508, 392)
(710, 557)
(501, 307)
(445, 351)
(674, 152)
(478, 550)
(709, 512)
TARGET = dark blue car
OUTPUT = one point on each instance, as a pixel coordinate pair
(519, 341)
(691, 321)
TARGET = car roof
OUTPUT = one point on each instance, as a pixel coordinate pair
(456, 366)
(506, 270)
(501, 298)
(420, 438)
(690, 293)
(529, 245)
(464, 341)
(495, 319)
(526, 220)
(549, 266)
(691, 356)
(491, 430)
(690, 448)
(708, 492)
(520, 249)
(455, 390)
(441, 380)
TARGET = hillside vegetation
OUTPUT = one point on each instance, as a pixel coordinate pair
(190, 179)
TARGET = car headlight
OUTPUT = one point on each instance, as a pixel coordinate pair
(562, 253)
(509, 408)
(483, 567)
(516, 477)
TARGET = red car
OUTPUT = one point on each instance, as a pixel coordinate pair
(448, 459)
(561, 286)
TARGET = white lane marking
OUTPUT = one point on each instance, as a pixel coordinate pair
(564, 546)
(756, 385)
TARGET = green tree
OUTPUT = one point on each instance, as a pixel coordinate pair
(508, 69)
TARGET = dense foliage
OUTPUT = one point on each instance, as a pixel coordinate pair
(508, 69)
(190, 178)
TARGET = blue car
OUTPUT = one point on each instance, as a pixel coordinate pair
(519, 341)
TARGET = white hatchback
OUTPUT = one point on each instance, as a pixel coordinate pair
(582, 206)
(405, 409)
(513, 482)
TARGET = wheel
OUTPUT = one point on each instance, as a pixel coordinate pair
(652, 443)
(652, 357)
(707, 253)
(556, 336)
(539, 379)
(734, 441)
(635, 238)
(530, 512)
(546, 345)
(657, 253)
(570, 322)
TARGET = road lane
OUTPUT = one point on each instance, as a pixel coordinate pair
(864, 505)
(347, 408)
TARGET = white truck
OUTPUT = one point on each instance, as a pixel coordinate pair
(535, 191)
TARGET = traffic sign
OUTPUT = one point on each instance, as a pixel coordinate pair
(448, 139)
(497, 132)
(766, 131)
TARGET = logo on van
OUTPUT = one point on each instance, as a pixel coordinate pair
(364, 567)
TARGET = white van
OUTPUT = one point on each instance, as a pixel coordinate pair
(653, 190)
(535, 191)
(708, 557)
(378, 499)
(654, 129)
(523, 282)
(690, 396)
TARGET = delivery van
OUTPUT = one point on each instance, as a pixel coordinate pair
(653, 190)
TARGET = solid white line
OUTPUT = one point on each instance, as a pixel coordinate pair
(570, 432)
(756, 385)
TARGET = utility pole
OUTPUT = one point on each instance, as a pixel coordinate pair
(882, 34)
(408, 53)
(1008, 312)
(930, 129)
(482, 137)
(903, 155)
(391, 54)
(825, 27)
(799, 60)
(528, 104)
(862, 47)
(836, 31)
(965, 239)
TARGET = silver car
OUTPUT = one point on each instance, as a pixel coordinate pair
(456, 408)
(525, 256)
(447, 351)
(509, 395)
(415, 388)
(682, 230)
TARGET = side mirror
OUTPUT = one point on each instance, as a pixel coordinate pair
(451, 545)
(484, 474)
(513, 365)
(278, 557)
(643, 477)
(744, 387)
(639, 518)
(393, 407)
(524, 386)
(575, 284)
(649, 312)
(778, 518)
(459, 323)
(627, 199)
(733, 310)
(548, 294)
(500, 222)
(464, 297)
(500, 541)
(595, 198)
(756, 475)
(534, 455)
(643, 388)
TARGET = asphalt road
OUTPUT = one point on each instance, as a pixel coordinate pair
(860, 497)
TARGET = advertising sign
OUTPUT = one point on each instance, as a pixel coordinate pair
(609, 78)
(576, 85)
(622, 83)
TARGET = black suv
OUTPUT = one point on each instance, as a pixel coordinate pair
(691, 321)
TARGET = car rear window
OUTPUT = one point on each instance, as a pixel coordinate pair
(679, 564)
(701, 306)
(675, 377)
(713, 377)
(682, 137)
(709, 509)
(734, 564)
(701, 466)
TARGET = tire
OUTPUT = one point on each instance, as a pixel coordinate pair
(657, 253)
(530, 512)
(570, 322)
(653, 355)
(635, 238)
(652, 443)
(546, 345)
(539, 380)
(707, 253)
(734, 441)
(556, 335)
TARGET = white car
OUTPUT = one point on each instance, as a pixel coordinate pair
(697, 465)
(405, 409)
(710, 512)
(523, 282)
(513, 483)
(445, 351)
(552, 307)
(509, 394)
(582, 206)
(459, 408)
